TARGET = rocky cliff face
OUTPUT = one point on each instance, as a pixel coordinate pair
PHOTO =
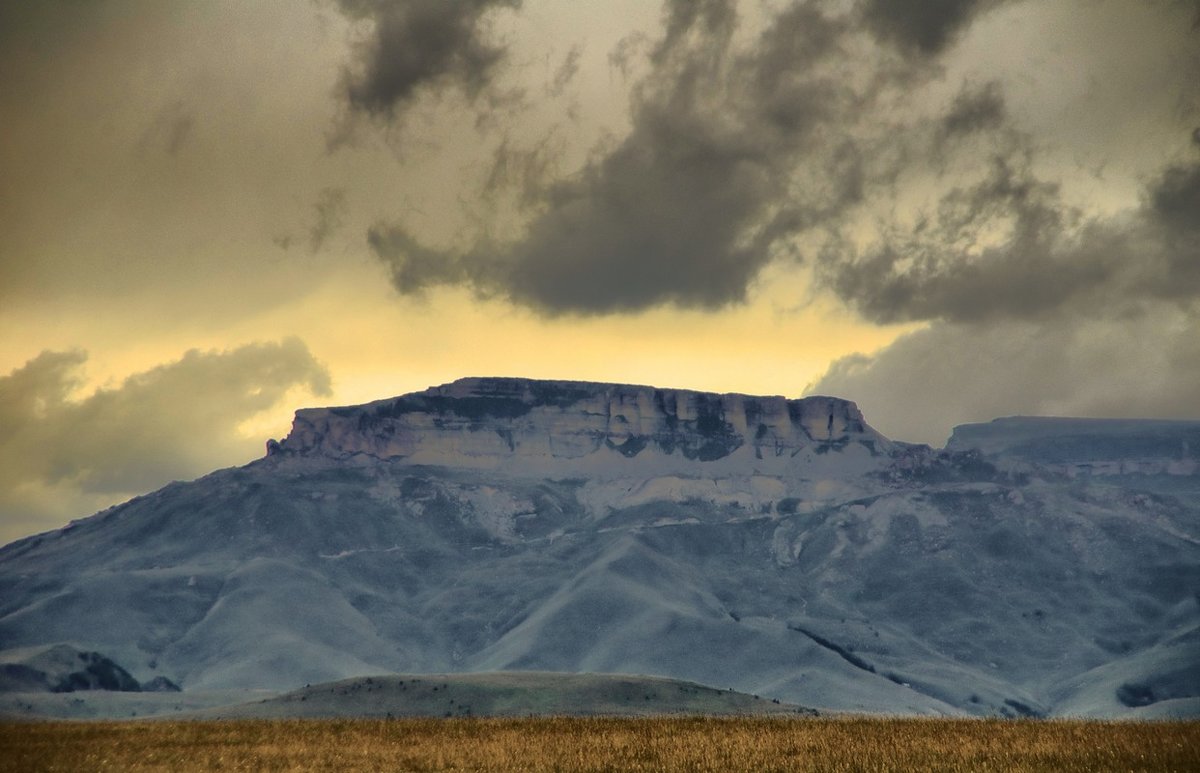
(490, 422)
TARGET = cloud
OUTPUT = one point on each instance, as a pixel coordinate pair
(1009, 247)
(699, 196)
(174, 421)
(1146, 364)
(170, 129)
(565, 73)
(924, 26)
(973, 110)
(414, 267)
(419, 44)
(1175, 199)
(1000, 237)
(806, 141)
(331, 209)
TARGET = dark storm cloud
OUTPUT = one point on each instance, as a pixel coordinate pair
(1010, 247)
(690, 205)
(660, 217)
(945, 267)
(1174, 222)
(414, 267)
(1009, 244)
(33, 26)
(1175, 199)
(416, 44)
(749, 149)
(926, 26)
(174, 421)
(975, 109)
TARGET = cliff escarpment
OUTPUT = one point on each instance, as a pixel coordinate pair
(494, 421)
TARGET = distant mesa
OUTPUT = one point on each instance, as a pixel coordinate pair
(1102, 447)
(496, 421)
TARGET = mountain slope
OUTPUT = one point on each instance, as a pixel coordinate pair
(777, 547)
(514, 694)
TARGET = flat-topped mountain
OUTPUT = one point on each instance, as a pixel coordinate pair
(778, 547)
(1089, 446)
(489, 422)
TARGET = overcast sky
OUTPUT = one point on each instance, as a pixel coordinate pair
(212, 213)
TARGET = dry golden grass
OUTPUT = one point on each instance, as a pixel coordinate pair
(688, 744)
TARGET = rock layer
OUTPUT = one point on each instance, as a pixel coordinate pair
(495, 421)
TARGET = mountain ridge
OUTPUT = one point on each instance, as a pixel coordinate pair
(818, 562)
(569, 420)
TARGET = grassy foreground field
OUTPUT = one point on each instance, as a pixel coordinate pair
(685, 743)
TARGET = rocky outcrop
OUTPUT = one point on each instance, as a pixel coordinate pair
(160, 684)
(491, 421)
(62, 668)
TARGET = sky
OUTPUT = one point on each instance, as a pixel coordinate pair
(213, 213)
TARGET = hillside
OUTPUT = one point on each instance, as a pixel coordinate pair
(777, 547)
(508, 694)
